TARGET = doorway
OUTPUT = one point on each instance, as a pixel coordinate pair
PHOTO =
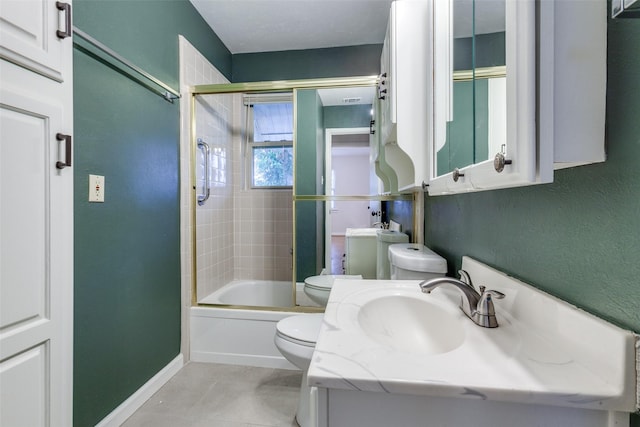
(348, 175)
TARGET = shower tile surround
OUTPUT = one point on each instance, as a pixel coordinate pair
(241, 233)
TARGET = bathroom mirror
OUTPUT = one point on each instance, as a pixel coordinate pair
(476, 123)
(277, 229)
(503, 112)
(333, 122)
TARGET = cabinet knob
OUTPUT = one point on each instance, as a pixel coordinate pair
(457, 174)
(499, 162)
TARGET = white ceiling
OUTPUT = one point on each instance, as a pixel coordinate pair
(347, 96)
(246, 26)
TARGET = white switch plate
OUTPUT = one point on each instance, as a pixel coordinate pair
(96, 188)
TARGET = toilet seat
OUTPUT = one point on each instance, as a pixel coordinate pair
(296, 338)
(318, 288)
(301, 330)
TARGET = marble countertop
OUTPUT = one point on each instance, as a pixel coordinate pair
(543, 352)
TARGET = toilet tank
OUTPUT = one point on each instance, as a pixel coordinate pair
(415, 261)
(360, 250)
(386, 238)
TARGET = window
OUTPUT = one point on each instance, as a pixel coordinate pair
(272, 166)
(270, 141)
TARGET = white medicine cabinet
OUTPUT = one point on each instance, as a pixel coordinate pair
(524, 80)
(404, 93)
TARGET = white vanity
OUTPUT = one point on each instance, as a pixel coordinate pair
(389, 355)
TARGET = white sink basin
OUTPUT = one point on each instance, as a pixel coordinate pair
(409, 324)
(387, 336)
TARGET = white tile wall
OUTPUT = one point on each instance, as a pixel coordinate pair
(241, 233)
(264, 224)
(214, 243)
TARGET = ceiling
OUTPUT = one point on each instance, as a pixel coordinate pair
(247, 26)
(347, 96)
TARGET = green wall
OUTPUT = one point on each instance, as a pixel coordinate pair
(127, 250)
(467, 135)
(578, 238)
(490, 51)
(347, 116)
(363, 60)
(309, 154)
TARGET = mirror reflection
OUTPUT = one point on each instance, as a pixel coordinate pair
(476, 130)
(287, 173)
(326, 118)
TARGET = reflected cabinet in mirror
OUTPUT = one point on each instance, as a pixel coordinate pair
(519, 92)
(477, 123)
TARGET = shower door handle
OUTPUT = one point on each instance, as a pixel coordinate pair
(205, 190)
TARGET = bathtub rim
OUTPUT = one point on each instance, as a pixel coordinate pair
(262, 308)
(293, 309)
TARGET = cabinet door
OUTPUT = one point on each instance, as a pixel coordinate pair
(36, 217)
(29, 36)
(385, 94)
(36, 254)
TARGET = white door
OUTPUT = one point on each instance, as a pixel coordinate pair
(36, 239)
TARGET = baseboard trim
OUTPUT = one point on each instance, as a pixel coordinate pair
(137, 399)
(261, 361)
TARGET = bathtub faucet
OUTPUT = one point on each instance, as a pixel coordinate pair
(477, 306)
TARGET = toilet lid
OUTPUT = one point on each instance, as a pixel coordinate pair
(303, 328)
(325, 281)
(416, 257)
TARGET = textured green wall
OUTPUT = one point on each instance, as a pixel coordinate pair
(127, 250)
(146, 32)
(459, 150)
(578, 238)
(363, 60)
(347, 116)
(309, 143)
(490, 51)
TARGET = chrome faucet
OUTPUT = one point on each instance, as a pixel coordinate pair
(477, 306)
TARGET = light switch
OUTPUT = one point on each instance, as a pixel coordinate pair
(96, 188)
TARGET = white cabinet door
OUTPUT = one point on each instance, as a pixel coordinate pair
(29, 35)
(36, 224)
(36, 257)
(407, 117)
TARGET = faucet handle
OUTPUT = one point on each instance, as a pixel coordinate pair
(485, 304)
(485, 313)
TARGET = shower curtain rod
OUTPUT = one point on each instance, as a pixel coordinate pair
(122, 65)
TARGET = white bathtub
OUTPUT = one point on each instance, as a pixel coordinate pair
(241, 336)
(260, 293)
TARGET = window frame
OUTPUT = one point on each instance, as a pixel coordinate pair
(250, 145)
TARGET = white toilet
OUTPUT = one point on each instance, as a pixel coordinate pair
(317, 288)
(415, 261)
(386, 238)
(296, 338)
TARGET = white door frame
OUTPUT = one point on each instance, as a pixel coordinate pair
(328, 134)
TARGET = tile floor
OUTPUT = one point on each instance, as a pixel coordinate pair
(215, 395)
